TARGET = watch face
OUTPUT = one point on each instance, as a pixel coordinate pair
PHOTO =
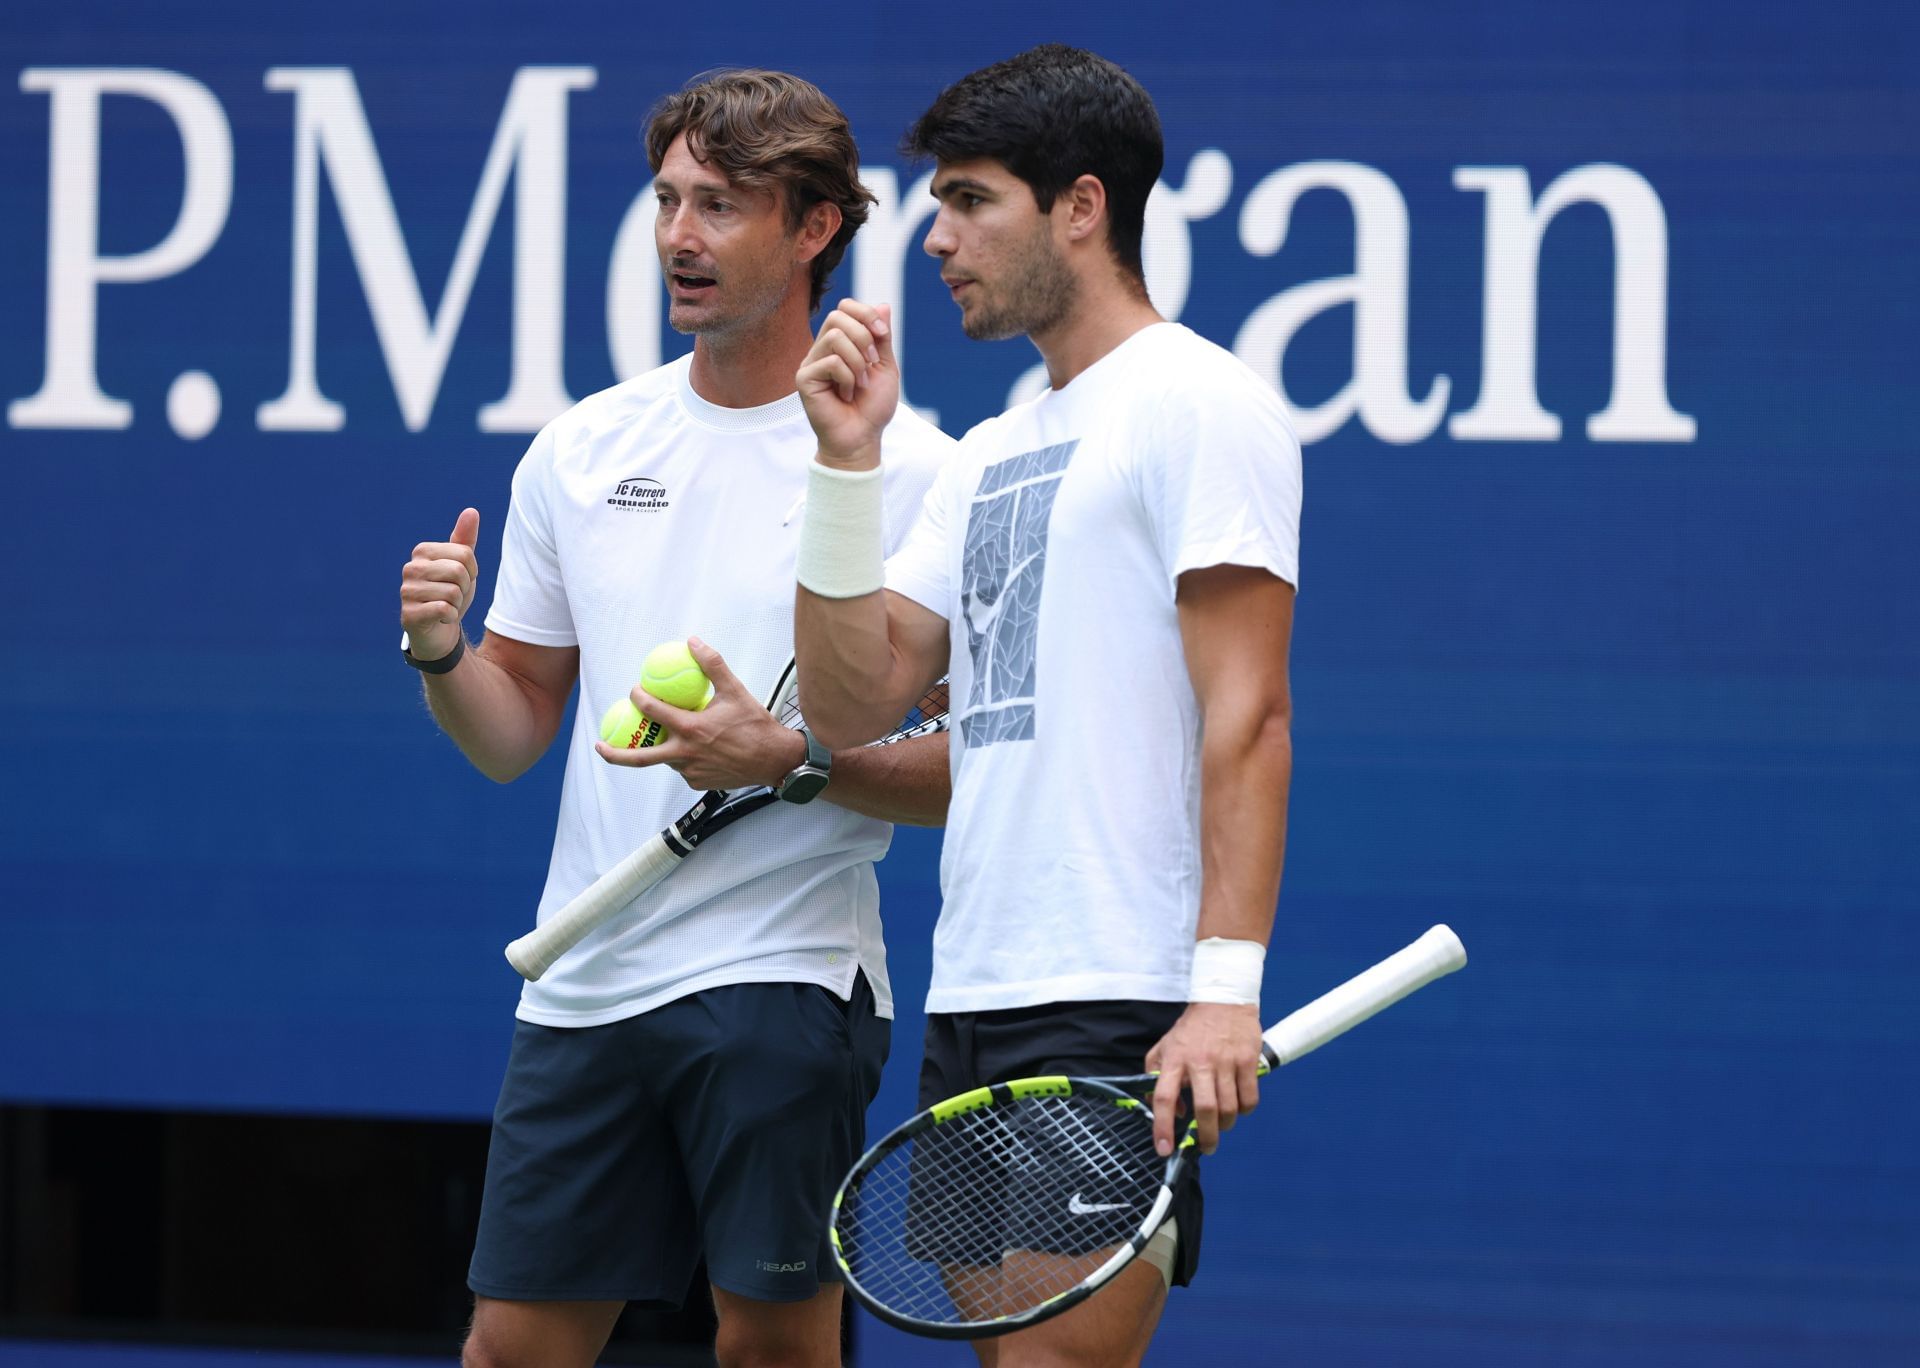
(803, 785)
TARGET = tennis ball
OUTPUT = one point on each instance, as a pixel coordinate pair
(672, 675)
(625, 727)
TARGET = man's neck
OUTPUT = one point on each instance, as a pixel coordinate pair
(749, 368)
(1106, 314)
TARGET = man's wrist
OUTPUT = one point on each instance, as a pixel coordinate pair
(439, 664)
(793, 754)
(808, 779)
(841, 554)
(866, 456)
(1227, 971)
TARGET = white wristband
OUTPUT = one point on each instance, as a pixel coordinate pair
(842, 536)
(1227, 971)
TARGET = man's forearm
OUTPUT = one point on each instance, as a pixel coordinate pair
(1246, 770)
(500, 721)
(844, 655)
(906, 782)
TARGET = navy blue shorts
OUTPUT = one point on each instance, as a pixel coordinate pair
(968, 1050)
(721, 1123)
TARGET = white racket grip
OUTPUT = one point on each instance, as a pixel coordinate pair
(1434, 955)
(534, 953)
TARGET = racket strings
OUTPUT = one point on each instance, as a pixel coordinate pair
(996, 1211)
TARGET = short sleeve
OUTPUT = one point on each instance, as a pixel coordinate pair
(922, 568)
(1222, 476)
(530, 595)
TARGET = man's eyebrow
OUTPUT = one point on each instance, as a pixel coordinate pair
(700, 186)
(941, 189)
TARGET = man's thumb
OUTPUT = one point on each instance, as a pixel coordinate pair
(466, 530)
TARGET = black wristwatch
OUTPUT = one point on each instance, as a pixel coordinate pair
(437, 666)
(806, 780)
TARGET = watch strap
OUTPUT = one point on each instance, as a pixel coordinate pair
(805, 781)
(437, 666)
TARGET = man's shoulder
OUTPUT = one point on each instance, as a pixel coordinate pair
(1179, 364)
(618, 407)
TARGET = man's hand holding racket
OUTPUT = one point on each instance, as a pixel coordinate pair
(850, 384)
(732, 743)
(1212, 1054)
(1006, 1205)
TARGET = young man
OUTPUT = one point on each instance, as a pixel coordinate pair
(1108, 573)
(694, 1075)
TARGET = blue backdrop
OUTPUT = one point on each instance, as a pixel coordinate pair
(1629, 700)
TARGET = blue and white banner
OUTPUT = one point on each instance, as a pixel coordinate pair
(1598, 323)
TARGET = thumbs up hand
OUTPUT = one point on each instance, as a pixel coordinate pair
(436, 588)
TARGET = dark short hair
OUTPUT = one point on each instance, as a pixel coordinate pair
(1050, 116)
(771, 131)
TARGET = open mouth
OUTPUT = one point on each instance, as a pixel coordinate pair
(690, 284)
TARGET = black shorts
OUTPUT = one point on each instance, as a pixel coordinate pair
(720, 1123)
(967, 1050)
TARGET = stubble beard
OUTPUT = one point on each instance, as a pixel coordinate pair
(1039, 293)
(755, 299)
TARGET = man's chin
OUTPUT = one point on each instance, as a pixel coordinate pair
(689, 318)
(984, 327)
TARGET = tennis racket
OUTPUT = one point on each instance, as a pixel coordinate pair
(535, 953)
(1010, 1204)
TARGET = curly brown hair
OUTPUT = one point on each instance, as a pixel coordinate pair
(769, 130)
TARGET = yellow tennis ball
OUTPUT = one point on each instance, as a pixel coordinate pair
(672, 675)
(625, 727)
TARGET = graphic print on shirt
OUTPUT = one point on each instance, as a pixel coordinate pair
(1003, 567)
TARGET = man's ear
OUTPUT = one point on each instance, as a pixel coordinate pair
(1084, 208)
(817, 227)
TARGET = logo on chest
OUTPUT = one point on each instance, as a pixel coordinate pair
(638, 494)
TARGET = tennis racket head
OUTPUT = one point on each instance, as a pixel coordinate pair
(1005, 1206)
(978, 1216)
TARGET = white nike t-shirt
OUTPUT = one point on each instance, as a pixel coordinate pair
(1053, 544)
(646, 514)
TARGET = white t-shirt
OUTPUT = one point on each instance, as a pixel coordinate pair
(646, 514)
(1053, 544)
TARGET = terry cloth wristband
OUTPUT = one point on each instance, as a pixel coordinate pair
(841, 537)
(1227, 971)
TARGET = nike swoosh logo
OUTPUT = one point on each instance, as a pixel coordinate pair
(1080, 1208)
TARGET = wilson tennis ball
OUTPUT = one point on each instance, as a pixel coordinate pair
(672, 675)
(625, 727)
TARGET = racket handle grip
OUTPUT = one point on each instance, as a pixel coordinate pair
(534, 953)
(1435, 954)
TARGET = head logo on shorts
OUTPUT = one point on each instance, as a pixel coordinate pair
(765, 1267)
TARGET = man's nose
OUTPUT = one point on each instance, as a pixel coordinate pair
(939, 240)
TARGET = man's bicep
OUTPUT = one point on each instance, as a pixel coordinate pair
(1236, 629)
